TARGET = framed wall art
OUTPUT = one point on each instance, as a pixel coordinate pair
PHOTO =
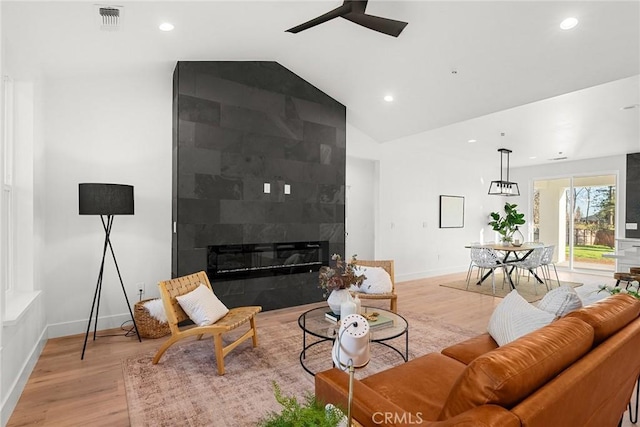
(451, 211)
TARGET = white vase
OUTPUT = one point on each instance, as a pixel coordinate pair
(336, 298)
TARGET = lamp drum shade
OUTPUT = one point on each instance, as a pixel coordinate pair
(105, 199)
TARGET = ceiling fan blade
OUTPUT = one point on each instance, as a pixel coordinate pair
(338, 11)
(383, 25)
(357, 6)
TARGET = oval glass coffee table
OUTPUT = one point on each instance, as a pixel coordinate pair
(315, 323)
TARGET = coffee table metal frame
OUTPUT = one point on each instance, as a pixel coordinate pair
(313, 322)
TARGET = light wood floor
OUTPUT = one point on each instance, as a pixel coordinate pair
(65, 391)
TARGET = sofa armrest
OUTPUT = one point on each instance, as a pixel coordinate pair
(332, 386)
(467, 351)
(372, 409)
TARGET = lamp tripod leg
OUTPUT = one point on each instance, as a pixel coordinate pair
(123, 289)
(96, 295)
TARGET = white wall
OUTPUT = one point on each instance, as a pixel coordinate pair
(113, 128)
(3, 412)
(362, 182)
(411, 179)
(361, 207)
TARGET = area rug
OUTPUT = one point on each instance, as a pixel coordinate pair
(529, 288)
(185, 390)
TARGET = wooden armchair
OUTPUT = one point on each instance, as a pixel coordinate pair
(392, 296)
(169, 289)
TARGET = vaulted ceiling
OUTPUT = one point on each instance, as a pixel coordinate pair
(459, 70)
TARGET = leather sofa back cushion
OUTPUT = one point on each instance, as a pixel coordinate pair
(467, 351)
(510, 373)
(609, 315)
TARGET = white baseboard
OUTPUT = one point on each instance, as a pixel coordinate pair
(14, 392)
(74, 327)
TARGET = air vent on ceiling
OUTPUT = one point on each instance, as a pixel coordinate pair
(109, 17)
(559, 158)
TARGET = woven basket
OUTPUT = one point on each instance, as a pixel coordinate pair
(148, 327)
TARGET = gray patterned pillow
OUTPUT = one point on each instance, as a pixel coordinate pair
(560, 301)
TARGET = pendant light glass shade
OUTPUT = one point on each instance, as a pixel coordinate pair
(504, 187)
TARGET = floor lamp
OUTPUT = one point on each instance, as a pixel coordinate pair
(352, 350)
(105, 200)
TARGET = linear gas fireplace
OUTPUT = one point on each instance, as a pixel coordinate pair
(232, 262)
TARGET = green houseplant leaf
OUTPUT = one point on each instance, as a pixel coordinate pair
(507, 224)
(310, 413)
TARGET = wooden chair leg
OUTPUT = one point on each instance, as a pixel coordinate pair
(217, 343)
(168, 343)
(254, 338)
(394, 305)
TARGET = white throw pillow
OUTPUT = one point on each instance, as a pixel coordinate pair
(560, 301)
(515, 317)
(377, 280)
(155, 307)
(202, 306)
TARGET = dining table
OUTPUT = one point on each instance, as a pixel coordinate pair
(512, 253)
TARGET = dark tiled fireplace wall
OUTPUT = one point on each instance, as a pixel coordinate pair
(237, 126)
(633, 195)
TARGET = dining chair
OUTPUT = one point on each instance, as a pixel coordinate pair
(530, 264)
(472, 264)
(482, 257)
(547, 260)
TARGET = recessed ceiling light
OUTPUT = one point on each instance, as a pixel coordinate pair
(532, 157)
(472, 140)
(166, 26)
(569, 23)
(388, 98)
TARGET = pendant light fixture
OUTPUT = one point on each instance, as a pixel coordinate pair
(504, 187)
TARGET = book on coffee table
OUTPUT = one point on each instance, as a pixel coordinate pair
(332, 317)
(380, 322)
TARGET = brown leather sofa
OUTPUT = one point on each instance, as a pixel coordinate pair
(578, 371)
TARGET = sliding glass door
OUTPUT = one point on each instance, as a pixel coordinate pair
(577, 214)
(594, 201)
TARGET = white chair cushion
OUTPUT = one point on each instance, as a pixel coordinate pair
(560, 301)
(515, 317)
(202, 306)
(377, 280)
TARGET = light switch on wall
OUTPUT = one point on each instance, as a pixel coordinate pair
(631, 226)
(267, 188)
(287, 189)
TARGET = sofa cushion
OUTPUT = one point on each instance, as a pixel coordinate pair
(468, 350)
(515, 317)
(560, 301)
(508, 374)
(609, 315)
(423, 383)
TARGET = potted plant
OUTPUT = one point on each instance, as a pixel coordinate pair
(336, 280)
(506, 225)
(311, 413)
(632, 289)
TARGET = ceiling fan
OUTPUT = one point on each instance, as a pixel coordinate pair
(353, 10)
